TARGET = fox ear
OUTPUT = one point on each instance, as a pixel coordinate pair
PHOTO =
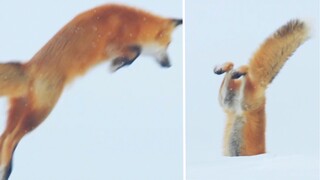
(176, 22)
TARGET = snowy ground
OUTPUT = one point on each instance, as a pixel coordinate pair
(262, 167)
(219, 31)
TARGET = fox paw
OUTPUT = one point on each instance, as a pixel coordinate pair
(119, 63)
(237, 75)
(220, 69)
(241, 71)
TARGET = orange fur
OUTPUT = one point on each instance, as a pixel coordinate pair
(110, 32)
(243, 98)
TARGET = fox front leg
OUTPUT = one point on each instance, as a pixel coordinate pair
(239, 72)
(128, 55)
(232, 88)
(228, 66)
(220, 69)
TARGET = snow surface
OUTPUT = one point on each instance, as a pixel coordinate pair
(228, 30)
(126, 125)
(262, 167)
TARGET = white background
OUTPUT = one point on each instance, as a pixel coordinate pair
(126, 125)
(229, 30)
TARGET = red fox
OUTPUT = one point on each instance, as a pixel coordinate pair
(243, 99)
(109, 32)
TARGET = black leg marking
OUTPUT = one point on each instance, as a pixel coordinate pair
(9, 169)
(10, 166)
(122, 61)
(218, 71)
(237, 75)
(136, 49)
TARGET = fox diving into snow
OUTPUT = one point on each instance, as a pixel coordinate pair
(116, 33)
(242, 92)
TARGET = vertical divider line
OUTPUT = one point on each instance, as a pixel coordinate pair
(184, 150)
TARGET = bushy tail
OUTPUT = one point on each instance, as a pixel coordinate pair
(274, 52)
(13, 79)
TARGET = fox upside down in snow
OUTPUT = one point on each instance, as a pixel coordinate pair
(110, 32)
(242, 93)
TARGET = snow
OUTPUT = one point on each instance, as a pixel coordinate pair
(264, 167)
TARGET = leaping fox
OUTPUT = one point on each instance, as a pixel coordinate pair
(242, 92)
(110, 32)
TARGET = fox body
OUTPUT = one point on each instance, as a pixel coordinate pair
(242, 92)
(110, 32)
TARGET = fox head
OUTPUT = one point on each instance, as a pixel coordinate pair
(162, 39)
(150, 36)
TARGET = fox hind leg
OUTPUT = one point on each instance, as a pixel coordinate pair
(28, 121)
(16, 110)
(25, 114)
